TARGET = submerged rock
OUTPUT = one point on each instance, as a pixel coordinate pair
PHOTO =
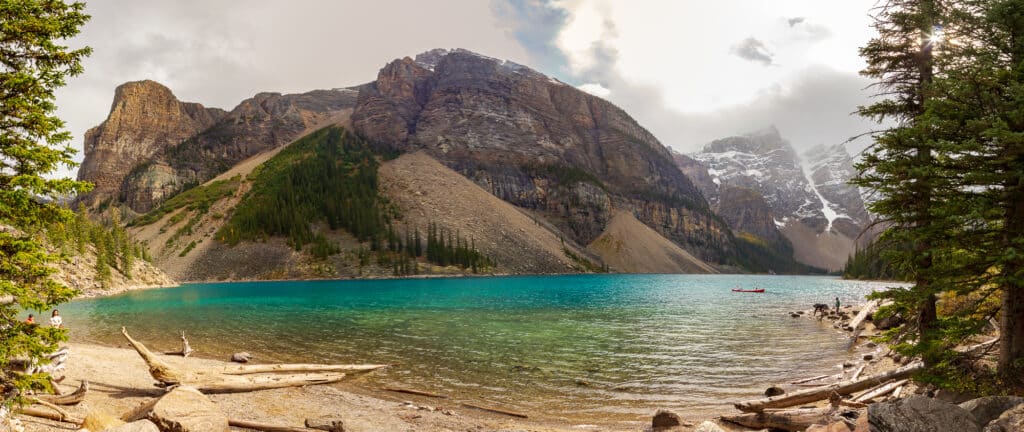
(919, 414)
(774, 391)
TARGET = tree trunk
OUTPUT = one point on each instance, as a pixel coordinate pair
(266, 427)
(68, 399)
(820, 393)
(880, 391)
(1011, 332)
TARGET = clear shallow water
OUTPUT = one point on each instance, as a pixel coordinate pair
(586, 348)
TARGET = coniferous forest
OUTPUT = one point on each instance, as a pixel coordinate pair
(330, 178)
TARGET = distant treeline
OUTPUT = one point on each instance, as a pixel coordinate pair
(872, 262)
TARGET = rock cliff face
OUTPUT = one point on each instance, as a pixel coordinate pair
(153, 146)
(536, 143)
(145, 119)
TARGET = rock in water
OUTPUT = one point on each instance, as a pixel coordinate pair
(920, 414)
(184, 409)
(1011, 421)
(986, 409)
(666, 419)
(774, 391)
(136, 426)
(241, 357)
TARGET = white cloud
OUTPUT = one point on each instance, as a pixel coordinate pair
(595, 89)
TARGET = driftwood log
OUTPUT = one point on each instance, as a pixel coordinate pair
(807, 380)
(820, 393)
(72, 398)
(880, 391)
(790, 420)
(267, 427)
(217, 381)
(49, 414)
(186, 348)
(858, 321)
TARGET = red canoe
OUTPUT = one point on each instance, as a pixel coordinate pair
(759, 290)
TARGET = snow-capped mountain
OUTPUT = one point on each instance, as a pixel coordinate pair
(810, 200)
(830, 169)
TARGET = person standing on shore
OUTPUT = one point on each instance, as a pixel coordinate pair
(56, 320)
(837, 304)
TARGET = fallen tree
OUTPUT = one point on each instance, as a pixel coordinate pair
(220, 381)
(790, 420)
(72, 398)
(820, 393)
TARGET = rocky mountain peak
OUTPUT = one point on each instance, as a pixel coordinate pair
(145, 118)
(830, 169)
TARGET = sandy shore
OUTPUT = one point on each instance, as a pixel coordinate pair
(119, 382)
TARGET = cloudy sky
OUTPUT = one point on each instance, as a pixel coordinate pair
(690, 71)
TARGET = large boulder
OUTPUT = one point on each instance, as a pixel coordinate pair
(920, 414)
(136, 426)
(986, 409)
(1010, 421)
(666, 419)
(183, 409)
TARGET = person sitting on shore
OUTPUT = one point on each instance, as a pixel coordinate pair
(56, 320)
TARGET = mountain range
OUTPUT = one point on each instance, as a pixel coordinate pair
(524, 169)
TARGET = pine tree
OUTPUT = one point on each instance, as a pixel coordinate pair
(900, 166)
(32, 145)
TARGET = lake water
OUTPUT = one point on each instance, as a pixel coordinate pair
(585, 349)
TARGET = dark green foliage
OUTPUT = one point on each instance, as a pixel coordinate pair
(872, 262)
(444, 249)
(329, 176)
(33, 144)
(198, 198)
(115, 248)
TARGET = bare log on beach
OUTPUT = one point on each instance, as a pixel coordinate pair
(186, 348)
(858, 321)
(857, 374)
(820, 393)
(496, 410)
(274, 368)
(790, 420)
(880, 391)
(267, 427)
(72, 398)
(49, 414)
(215, 381)
(807, 380)
(414, 392)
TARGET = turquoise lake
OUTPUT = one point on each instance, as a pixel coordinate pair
(583, 348)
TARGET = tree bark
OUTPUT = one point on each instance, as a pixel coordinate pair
(820, 393)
